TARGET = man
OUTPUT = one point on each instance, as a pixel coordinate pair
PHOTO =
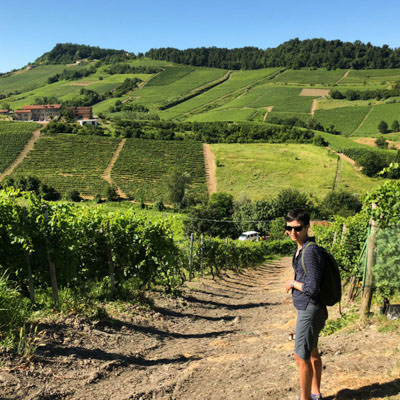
(311, 315)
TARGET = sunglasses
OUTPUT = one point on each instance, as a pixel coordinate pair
(296, 228)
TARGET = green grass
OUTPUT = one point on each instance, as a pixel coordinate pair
(27, 80)
(263, 170)
(224, 115)
(281, 98)
(142, 168)
(345, 119)
(13, 138)
(68, 162)
(286, 115)
(310, 77)
(372, 77)
(381, 112)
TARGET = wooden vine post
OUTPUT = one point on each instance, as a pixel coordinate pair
(371, 257)
(28, 264)
(191, 257)
(201, 253)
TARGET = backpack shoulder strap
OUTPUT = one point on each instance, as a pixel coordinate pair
(302, 254)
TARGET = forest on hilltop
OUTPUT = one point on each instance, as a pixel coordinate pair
(294, 54)
(67, 53)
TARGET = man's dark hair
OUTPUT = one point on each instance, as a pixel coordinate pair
(300, 215)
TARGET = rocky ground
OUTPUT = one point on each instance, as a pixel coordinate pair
(224, 339)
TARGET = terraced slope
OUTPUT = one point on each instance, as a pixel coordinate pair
(13, 138)
(142, 168)
(70, 162)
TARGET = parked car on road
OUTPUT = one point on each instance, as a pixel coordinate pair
(250, 235)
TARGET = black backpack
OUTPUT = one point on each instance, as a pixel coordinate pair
(331, 285)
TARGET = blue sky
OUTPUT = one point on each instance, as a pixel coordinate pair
(31, 28)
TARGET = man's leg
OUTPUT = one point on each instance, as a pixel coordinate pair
(305, 369)
(317, 371)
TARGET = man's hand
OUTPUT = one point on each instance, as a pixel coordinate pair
(289, 286)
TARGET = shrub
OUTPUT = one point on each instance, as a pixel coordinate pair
(74, 195)
(340, 203)
(112, 194)
(98, 198)
(381, 143)
(276, 230)
(320, 141)
(159, 205)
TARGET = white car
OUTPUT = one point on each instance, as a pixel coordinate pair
(250, 235)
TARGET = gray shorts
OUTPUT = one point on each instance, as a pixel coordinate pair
(309, 324)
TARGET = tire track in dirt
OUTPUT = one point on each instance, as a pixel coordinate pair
(211, 169)
(107, 172)
(218, 339)
(21, 156)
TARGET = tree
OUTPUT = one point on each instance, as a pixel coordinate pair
(383, 127)
(340, 203)
(288, 199)
(395, 126)
(371, 163)
(177, 184)
(213, 218)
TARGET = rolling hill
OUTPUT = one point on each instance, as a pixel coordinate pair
(197, 94)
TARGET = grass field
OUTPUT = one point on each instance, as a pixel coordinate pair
(27, 80)
(320, 77)
(143, 166)
(67, 162)
(286, 115)
(224, 115)
(372, 77)
(345, 119)
(281, 98)
(262, 170)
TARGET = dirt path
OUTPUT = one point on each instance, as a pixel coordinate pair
(349, 160)
(269, 109)
(224, 339)
(346, 74)
(28, 147)
(211, 169)
(314, 106)
(107, 172)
